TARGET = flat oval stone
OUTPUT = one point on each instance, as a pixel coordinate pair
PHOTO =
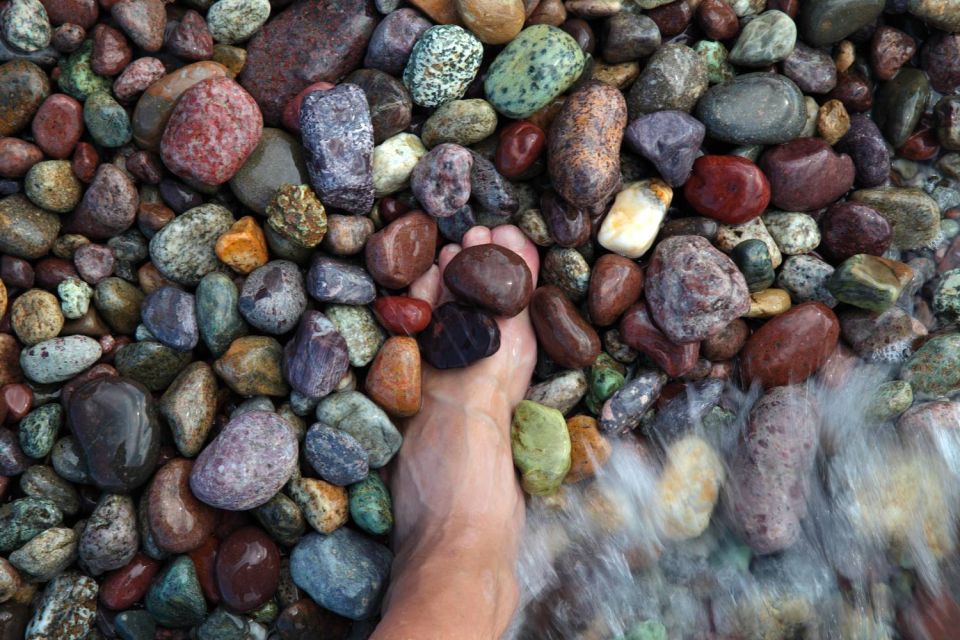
(335, 455)
(59, 359)
(276, 160)
(730, 189)
(17, 156)
(273, 297)
(939, 58)
(170, 315)
(561, 331)
(866, 146)
(109, 206)
(444, 60)
(463, 122)
(753, 259)
(26, 230)
(806, 174)
(491, 277)
(824, 22)
(638, 330)
(533, 69)
(402, 315)
(674, 77)
(58, 125)
(282, 519)
(899, 104)
(791, 347)
(615, 284)
(127, 585)
(110, 539)
(218, 320)
(754, 108)
(183, 250)
(849, 228)
(767, 39)
(25, 86)
(393, 380)
(189, 406)
(306, 43)
(247, 463)
(178, 521)
(458, 336)
(402, 251)
(358, 416)
(337, 134)
(332, 280)
(583, 144)
(316, 359)
(248, 569)
(115, 424)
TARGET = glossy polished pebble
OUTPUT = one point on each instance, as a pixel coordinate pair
(913, 215)
(110, 539)
(541, 447)
(869, 282)
(754, 108)
(823, 22)
(561, 331)
(615, 284)
(899, 103)
(674, 78)
(402, 251)
(811, 69)
(316, 358)
(458, 336)
(565, 225)
(393, 380)
(730, 189)
(850, 228)
(638, 330)
(631, 225)
(127, 585)
(402, 315)
(371, 508)
(247, 569)
(765, 40)
(491, 277)
(332, 280)
(178, 521)
(622, 412)
(791, 347)
(753, 259)
(806, 174)
(175, 599)
(219, 322)
(519, 147)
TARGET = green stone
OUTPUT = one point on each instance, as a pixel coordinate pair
(946, 299)
(360, 331)
(38, 430)
(75, 295)
(77, 77)
(566, 268)
(765, 40)
(223, 625)
(267, 612)
(150, 363)
(541, 447)
(297, 214)
(370, 505)
(463, 122)
(934, 370)
(276, 160)
(118, 302)
(175, 598)
(899, 103)
(914, 216)
(890, 400)
(647, 630)
(753, 259)
(867, 282)
(282, 519)
(606, 378)
(135, 625)
(443, 63)
(824, 22)
(218, 319)
(24, 519)
(538, 65)
(107, 121)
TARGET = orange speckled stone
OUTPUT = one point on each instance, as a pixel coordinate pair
(243, 247)
(589, 450)
(394, 377)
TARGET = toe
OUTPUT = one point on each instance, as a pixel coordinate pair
(427, 286)
(475, 236)
(512, 238)
(446, 255)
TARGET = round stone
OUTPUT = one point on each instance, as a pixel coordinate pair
(755, 108)
(443, 62)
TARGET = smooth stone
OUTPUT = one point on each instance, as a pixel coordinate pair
(276, 160)
(251, 366)
(371, 508)
(561, 392)
(175, 599)
(135, 625)
(295, 214)
(26, 231)
(583, 145)
(335, 455)
(402, 315)
(109, 539)
(25, 85)
(674, 78)
(850, 228)
(948, 118)
(388, 99)
(40, 481)
(541, 447)
(218, 320)
(754, 108)
(939, 60)
(356, 415)
(629, 37)
(24, 519)
(75, 296)
(343, 572)
(567, 269)
(623, 411)
(491, 277)
(668, 139)
(332, 122)
(823, 22)
(805, 279)
(632, 223)
(689, 487)
(247, 463)
(273, 298)
(178, 522)
(889, 400)
(394, 39)
(183, 250)
(233, 21)
(282, 519)
(753, 260)
(558, 220)
(946, 301)
(394, 162)
(317, 357)
(189, 405)
(692, 289)
(589, 449)
(26, 26)
(443, 62)
(52, 186)
(806, 174)
(534, 68)
(730, 189)
(118, 302)
(493, 197)
(13, 460)
(914, 217)
(715, 60)
(441, 179)
(791, 347)
(116, 426)
(108, 208)
(402, 251)
(638, 331)
(332, 280)
(325, 506)
(899, 103)
(68, 461)
(247, 569)
(869, 282)
(170, 316)
(933, 370)
(812, 70)
(767, 39)
(866, 146)
(359, 329)
(561, 331)
(35, 316)
(107, 121)
(37, 432)
(462, 122)
(688, 409)
(59, 359)
(67, 609)
(458, 336)
(615, 284)
(393, 380)
(150, 363)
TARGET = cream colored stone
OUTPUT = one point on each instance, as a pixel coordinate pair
(634, 220)
(688, 488)
(393, 162)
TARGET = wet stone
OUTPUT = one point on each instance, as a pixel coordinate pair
(811, 69)
(914, 217)
(67, 608)
(371, 508)
(26, 231)
(359, 329)
(170, 316)
(109, 540)
(767, 39)
(541, 447)
(441, 179)
(805, 278)
(394, 39)
(317, 357)
(273, 297)
(869, 282)
(561, 331)
(638, 331)
(282, 519)
(356, 415)
(462, 122)
(37, 432)
(251, 366)
(444, 60)
(175, 599)
(47, 555)
(754, 108)
(402, 251)
(668, 139)
(823, 22)
(183, 250)
(622, 412)
(218, 320)
(188, 406)
(753, 260)
(674, 78)
(933, 369)
(492, 277)
(150, 363)
(806, 174)
(247, 569)
(59, 359)
(899, 104)
(865, 145)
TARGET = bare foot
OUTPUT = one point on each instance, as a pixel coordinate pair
(457, 502)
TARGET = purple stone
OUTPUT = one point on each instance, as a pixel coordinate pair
(393, 40)
(458, 336)
(454, 227)
(624, 409)
(108, 207)
(491, 193)
(388, 99)
(670, 140)
(13, 461)
(336, 456)
(247, 463)
(332, 280)
(941, 61)
(813, 70)
(337, 134)
(94, 262)
(568, 225)
(316, 359)
(273, 297)
(865, 145)
(170, 314)
(441, 179)
(179, 196)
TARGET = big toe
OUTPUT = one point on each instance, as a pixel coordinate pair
(513, 238)
(476, 236)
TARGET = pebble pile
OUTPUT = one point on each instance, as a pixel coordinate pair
(211, 213)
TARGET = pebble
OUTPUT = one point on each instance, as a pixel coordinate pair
(638, 331)
(331, 123)
(295, 213)
(277, 160)
(715, 60)
(37, 432)
(247, 463)
(218, 320)
(10, 581)
(317, 357)
(589, 449)
(325, 506)
(440, 181)
(17, 156)
(461, 122)
(889, 400)
(629, 37)
(77, 78)
(332, 280)
(541, 447)
(948, 117)
(402, 251)
(25, 519)
(136, 78)
(624, 409)
(393, 40)
(51, 185)
(273, 297)
(134, 625)
(795, 233)
(68, 461)
(190, 38)
(869, 282)
(251, 367)
(567, 269)
(109, 206)
(394, 162)
(58, 125)
(946, 298)
(35, 316)
(26, 231)
(389, 102)
(767, 39)
(565, 225)
(335, 455)
(358, 416)
(693, 290)
(913, 216)
(41, 481)
(688, 487)
(247, 569)
(939, 58)
(615, 284)
(178, 522)
(668, 139)
(234, 21)
(59, 359)
(823, 22)
(561, 332)
(183, 250)
(933, 369)
(150, 363)
(118, 302)
(170, 316)
(866, 146)
(66, 609)
(154, 108)
(142, 20)
(806, 174)
(753, 260)
(282, 519)
(890, 49)
(631, 225)
(393, 380)
(493, 197)
(730, 189)
(106, 120)
(243, 247)
(444, 60)
(754, 108)
(109, 539)
(359, 329)
(491, 277)
(675, 77)
(768, 303)
(343, 572)
(518, 149)
(26, 26)
(899, 103)
(584, 142)
(126, 586)
(46, 555)
(811, 69)
(175, 599)
(561, 392)
(806, 279)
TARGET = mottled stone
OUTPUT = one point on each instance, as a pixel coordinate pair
(152, 364)
(183, 250)
(914, 217)
(358, 416)
(219, 322)
(59, 359)
(273, 297)
(26, 231)
(689, 487)
(394, 39)
(325, 506)
(805, 278)
(251, 366)
(869, 282)
(765, 40)
(316, 359)
(175, 599)
(109, 205)
(444, 60)
(462, 122)
(674, 78)
(624, 409)
(359, 329)
(811, 69)
(335, 455)
(899, 103)
(67, 608)
(491, 277)
(441, 179)
(109, 540)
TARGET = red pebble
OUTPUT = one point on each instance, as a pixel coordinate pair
(85, 162)
(921, 145)
(730, 189)
(520, 145)
(402, 315)
(638, 330)
(126, 586)
(17, 156)
(111, 51)
(204, 561)
(391, 208)
(4, 482)
(19, 400)
(290, 118)
(58, 125)
(139, 75)
(717, 19)
(49, 272)
(248, 569)
(671, 18)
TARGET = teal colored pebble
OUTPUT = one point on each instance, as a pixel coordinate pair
(175, 599)
(715, 58)
(934, 370)
(107, 121)
(753, 259)
(889, 400)
(223, 625)
(38, 430)
(217, 317)
(370, 505)
(537, 66)
(24, 519)
(77, 78)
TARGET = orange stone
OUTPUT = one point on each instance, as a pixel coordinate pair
(243, 247)
(589, 450)
(394, 377)
(440, 11)
(150, 279)
(3, 298)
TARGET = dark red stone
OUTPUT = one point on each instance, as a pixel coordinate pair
(853, 91)
(58, 125)
(520, 144)
(80, 12)
(615, 284)
(458, 336)
(806, 174)
(16, 273)
(569, 226)
(491, 277)
(179, 522)
(85, 162)
(305, 620)
(391, 208)
(922, 144)
(96, 371)
(191, 39)
(111, 51)
(204, 560)
(717, 19)
(731, 189)
(18, 399)
(402, 251)
(581, 31)
(248, 569)
(17, 156)
(849, 228)
(561, 331)
(890, 49)
(126, 586)
(290, 118)
(941, 61)
(671, 18)
(49, 272)
(638, 330)
(401, 315)
(145, 166)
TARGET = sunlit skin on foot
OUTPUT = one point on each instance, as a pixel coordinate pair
(457, 503)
